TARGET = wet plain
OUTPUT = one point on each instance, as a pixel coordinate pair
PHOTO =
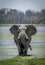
(8, 49)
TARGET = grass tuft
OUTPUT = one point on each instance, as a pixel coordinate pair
(23, 61)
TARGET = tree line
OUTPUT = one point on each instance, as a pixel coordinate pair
(14, 16)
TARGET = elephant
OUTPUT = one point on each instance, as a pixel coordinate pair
(23, 36)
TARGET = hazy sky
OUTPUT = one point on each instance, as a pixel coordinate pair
(23, 4)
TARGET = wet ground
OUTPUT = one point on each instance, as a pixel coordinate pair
(8, 48)
(37, 51)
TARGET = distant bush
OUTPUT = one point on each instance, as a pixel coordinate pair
(18, 17)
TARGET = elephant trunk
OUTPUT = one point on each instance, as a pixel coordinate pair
(22, 43)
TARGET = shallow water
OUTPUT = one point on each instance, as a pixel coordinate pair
(8, 48)
(37, 51)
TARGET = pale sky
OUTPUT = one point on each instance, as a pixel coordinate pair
(23, 5)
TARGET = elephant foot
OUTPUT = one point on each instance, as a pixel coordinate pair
(23, 53)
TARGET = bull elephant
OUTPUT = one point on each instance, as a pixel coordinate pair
(22, 37)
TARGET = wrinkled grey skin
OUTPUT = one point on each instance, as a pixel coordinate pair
(22, 37)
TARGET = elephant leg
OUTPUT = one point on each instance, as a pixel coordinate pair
(21, 49)
(21, 52)
(25, 53)
(18, 46)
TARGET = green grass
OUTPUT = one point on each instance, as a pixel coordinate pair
(23, 61)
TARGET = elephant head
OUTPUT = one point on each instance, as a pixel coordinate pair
(22, 37)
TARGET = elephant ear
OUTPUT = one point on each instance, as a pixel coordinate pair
(14, 30)
(31, 30)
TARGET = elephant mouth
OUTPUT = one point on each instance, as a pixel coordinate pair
(21, 45)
